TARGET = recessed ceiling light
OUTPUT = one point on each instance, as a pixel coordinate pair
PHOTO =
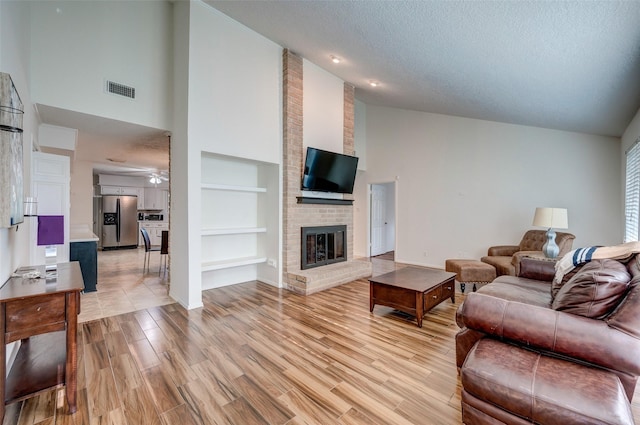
(335, 59)
(373, 83)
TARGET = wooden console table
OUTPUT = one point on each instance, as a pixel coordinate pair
(44, 317)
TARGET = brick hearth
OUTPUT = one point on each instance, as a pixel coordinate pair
(297, 215)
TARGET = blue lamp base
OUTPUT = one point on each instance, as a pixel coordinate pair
(550, 248)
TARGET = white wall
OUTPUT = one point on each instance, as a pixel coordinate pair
(184, 222)
(323, 109)
(228, 101)
(14, 59)
(81, 193)
(235, 93)
(76, 46)
(465, 184)
(272, 274)
(390, 216)
(54, 136)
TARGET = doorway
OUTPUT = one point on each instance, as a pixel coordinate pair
(382, 222)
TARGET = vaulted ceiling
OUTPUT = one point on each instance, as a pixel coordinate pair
(568, 65)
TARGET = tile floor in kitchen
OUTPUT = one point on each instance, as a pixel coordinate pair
(122, 287)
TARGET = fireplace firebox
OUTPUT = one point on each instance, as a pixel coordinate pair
(322, 245)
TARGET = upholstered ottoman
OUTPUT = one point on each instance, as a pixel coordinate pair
(470, 271)
(503, 383)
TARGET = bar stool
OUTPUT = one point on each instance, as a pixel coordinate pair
(147, 249)
(164, 250)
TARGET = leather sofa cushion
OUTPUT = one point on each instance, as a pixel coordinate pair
(519, 289)
(555, 286)
(541, 389)
(595, 290)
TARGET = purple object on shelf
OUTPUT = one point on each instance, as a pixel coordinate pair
(50, 229)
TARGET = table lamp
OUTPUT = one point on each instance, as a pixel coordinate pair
(550, 218)
(50, 234)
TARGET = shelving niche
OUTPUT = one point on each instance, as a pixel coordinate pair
(240, 225)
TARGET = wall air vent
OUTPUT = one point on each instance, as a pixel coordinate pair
(120, 89)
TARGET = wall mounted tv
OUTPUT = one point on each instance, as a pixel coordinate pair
(326, 171)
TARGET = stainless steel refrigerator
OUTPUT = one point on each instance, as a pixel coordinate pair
(117, 220)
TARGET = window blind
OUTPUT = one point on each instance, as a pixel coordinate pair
(632, 193)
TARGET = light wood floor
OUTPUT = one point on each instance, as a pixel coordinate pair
(258, 355)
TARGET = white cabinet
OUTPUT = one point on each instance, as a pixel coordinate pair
(125, 190)
(140, 191)
(110, 190)
(154, 229)
(155, 199)
(240, 226)
(129, 191)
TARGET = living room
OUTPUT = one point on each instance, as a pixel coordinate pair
(463, 184)
(479, 164)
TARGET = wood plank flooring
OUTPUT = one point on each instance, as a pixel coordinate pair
(258, 355)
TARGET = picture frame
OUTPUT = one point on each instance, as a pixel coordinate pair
(11, 154)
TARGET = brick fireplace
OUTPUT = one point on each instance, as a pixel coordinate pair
(322, 245)
(297, 216)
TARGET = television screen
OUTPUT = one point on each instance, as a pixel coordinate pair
(329, 171)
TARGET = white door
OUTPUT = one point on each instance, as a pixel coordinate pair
(378, 219)
(50, 185)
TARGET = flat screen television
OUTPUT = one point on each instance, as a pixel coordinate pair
(326, 171)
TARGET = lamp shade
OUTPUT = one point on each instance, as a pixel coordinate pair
(50, 230)
(551, 217)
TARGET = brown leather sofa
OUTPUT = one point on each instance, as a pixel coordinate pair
(587, 326)
(506, 258)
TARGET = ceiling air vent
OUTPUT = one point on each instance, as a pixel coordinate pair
(121, 89)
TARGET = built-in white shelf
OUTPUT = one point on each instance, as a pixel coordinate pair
(239, 231)
(235, 262)
(233, 231)
(214, 186)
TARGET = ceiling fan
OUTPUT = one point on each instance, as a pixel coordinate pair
(157, 178)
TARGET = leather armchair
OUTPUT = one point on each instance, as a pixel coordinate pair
(506, 258)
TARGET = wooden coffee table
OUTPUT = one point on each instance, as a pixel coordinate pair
(412, 290)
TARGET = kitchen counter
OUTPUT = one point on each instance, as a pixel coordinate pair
(83, 247)
(82, 233)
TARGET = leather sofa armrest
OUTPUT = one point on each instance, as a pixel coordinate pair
(534, 268)
(503, 250)
(565, 334)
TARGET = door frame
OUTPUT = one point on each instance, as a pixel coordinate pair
(390, 202)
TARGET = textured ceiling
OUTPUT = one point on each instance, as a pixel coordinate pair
(568, 65)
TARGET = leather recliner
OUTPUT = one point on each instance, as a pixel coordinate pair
(522, 312)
